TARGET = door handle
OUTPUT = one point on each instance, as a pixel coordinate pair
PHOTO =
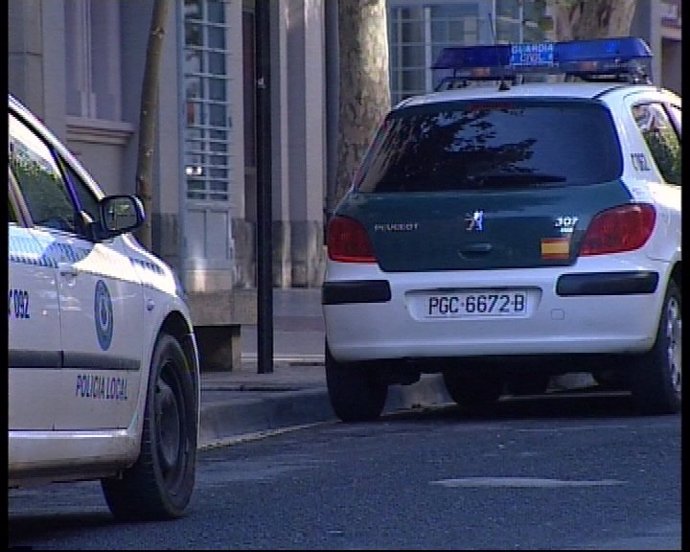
(67, 269)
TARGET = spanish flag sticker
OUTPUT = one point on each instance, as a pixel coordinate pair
(555, 248)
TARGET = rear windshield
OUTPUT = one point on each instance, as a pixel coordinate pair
(487, 145)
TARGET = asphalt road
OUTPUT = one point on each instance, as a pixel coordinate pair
(578, 472)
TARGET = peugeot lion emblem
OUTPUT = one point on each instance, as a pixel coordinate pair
(474, 222)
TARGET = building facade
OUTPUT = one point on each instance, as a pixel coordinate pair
(78, 64)
(659, 23)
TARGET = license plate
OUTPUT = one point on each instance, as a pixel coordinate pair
(476, 305)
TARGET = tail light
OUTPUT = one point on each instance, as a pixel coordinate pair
(348, 241)
(623, 228)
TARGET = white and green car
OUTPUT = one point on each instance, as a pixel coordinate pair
(500, 231)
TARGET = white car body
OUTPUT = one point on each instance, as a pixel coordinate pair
(84, 317)
(503, 232)
(593, 324)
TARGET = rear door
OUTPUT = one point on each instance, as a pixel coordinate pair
(34, 348)
(487, 184)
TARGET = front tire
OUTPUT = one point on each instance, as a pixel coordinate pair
(356, 395)
(159, 485)
(656, 376)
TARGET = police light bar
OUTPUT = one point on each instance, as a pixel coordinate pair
(605, 58)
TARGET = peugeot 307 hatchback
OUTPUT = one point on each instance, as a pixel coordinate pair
(502, 233)
(103, 366)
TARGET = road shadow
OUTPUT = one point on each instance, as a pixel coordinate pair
(25, 528)
(584, 404)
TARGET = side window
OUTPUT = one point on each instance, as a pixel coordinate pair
(662, 139)
(11, 212)
(87, 200)
(677, 117)
(39, 179)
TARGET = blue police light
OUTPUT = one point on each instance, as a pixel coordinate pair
(602, 49)
(466, 57)
(605, 59)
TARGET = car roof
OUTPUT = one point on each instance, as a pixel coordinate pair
(25, 113)
(19, 108)
(582, 90)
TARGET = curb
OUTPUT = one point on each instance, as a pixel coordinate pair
(278, 410)
(233, 419)
(241, 412)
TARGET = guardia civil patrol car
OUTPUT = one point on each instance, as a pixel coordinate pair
(520, 222)
(103, 363)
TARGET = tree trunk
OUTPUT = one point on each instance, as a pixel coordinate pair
(583, 19)
(147, 116)
(364, 88)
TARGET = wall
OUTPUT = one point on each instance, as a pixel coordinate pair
(109, 148)
(659, 23)
(299, 191)
(36, 58)
(670, 14)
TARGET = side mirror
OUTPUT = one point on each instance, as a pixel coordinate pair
(120, 214)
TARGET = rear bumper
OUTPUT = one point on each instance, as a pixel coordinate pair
(348, 292)
(607, 283)
(584, 311)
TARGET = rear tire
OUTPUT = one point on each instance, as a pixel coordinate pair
(656, 377)
(159, 485)
(473, 392)
(356, 395)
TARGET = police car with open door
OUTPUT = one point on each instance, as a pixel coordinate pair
(103, 368)
(522, 221)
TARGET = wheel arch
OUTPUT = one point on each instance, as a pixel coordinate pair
(676, 274)
(176, 325)
(146, 490)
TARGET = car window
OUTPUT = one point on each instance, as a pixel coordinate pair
(475, 145)
(677, 117)
(11, 212)
(661, 137)
(87, 200)
(39, 179)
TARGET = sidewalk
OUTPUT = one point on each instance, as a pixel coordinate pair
(243, 404)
